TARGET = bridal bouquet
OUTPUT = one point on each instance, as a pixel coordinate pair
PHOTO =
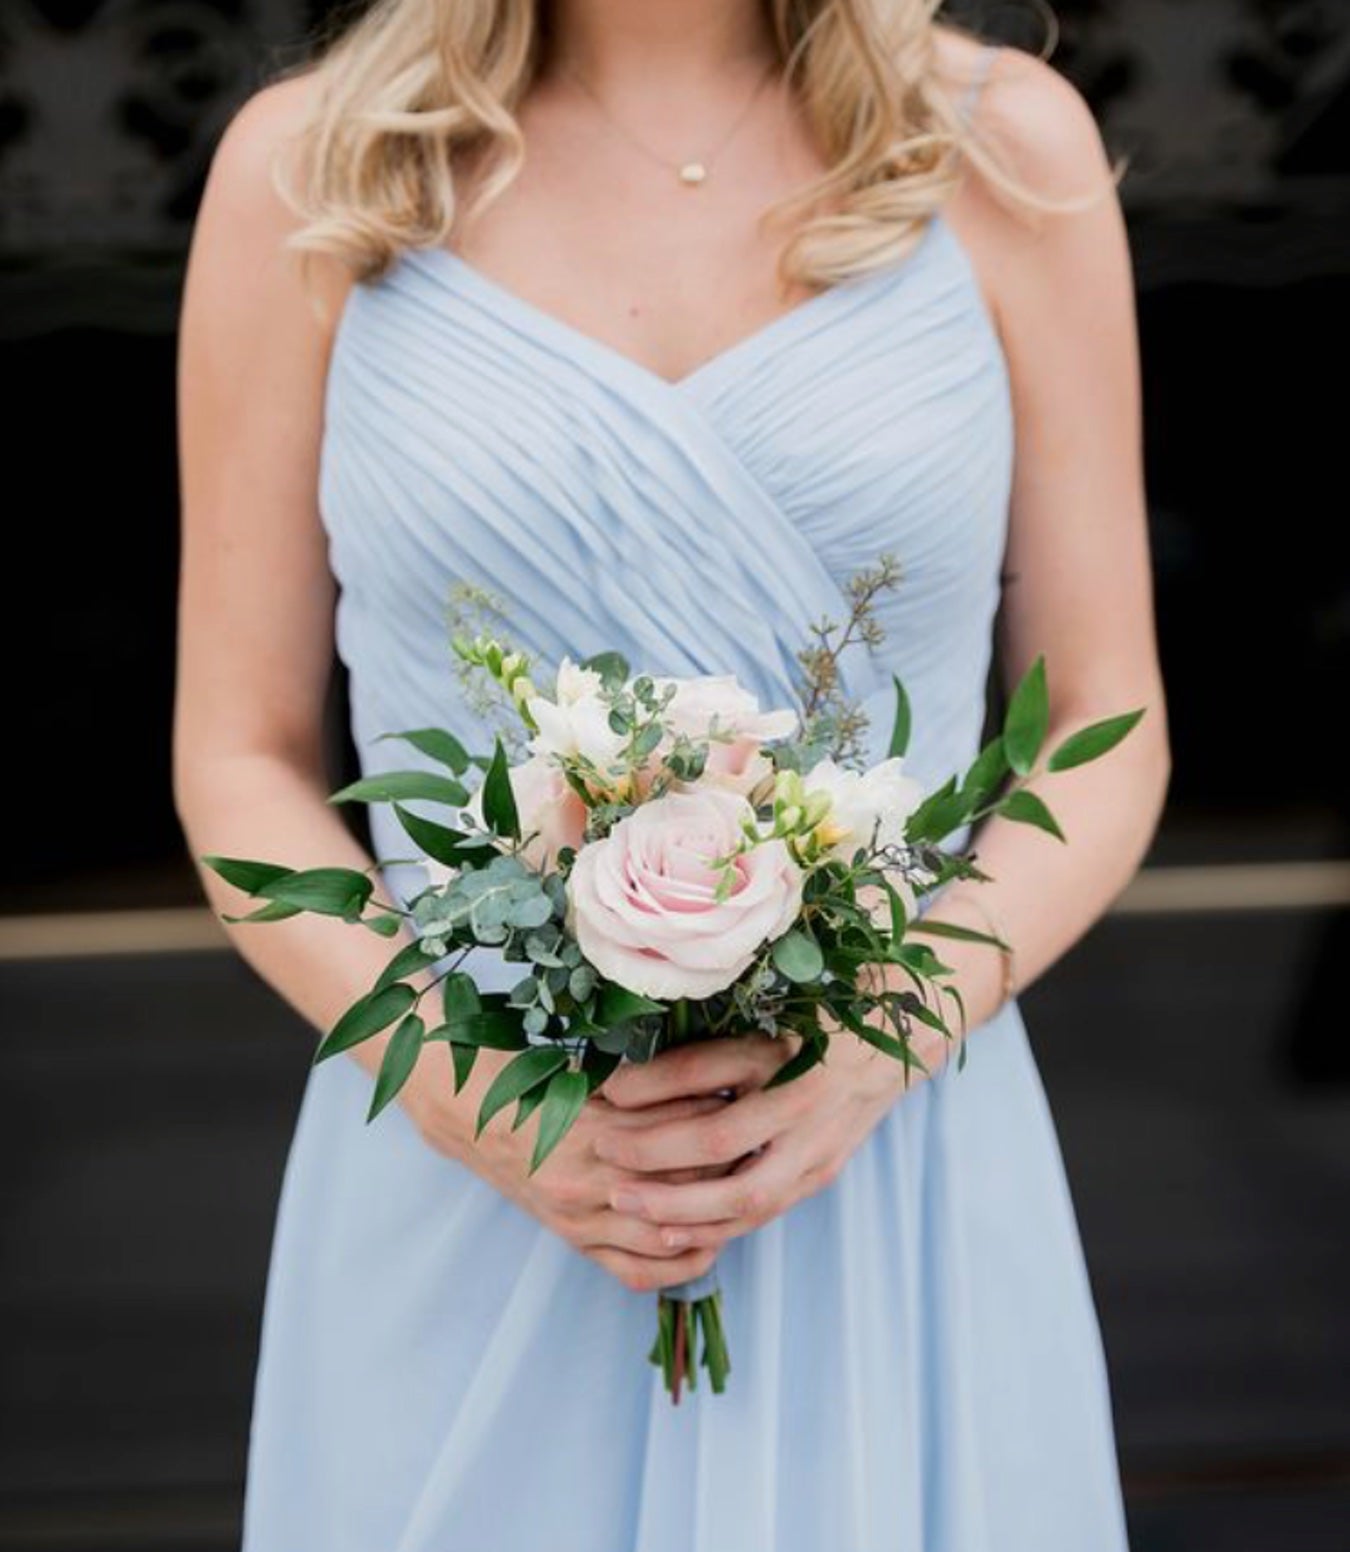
(666, 861)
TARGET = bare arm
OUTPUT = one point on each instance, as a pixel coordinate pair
(1080, 592)
(255, 644)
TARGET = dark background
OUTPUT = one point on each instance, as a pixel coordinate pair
(1194, 1046)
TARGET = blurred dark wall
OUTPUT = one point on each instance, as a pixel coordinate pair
(1202, 1100)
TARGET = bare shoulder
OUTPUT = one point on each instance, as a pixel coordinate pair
(254, 146)
(1043, 127)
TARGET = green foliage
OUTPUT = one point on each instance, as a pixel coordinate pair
(403, 787)
(901, 726)
(246, 875)
(535, 1065)
(366, 1017)
(1090, 743)
(1027, 720)
(436, 744)
(566, 1093)
(400, 1056)
(327, 891)
(1026, 808)
(499, 801)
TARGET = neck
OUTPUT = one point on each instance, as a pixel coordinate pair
(608, 40)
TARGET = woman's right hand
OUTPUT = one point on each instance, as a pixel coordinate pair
(569, 1193)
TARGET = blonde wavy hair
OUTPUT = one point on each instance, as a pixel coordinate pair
(412, 83)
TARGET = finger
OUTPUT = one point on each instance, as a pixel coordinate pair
(735, 1062)
(669, 1110)
(642, 1274)
(619, 1231)
(749, 1195)
(699, 1141)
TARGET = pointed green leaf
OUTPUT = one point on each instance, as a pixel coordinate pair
(496, 1029)
(811, 1054)
(527, 1104)
(366, 1016)
(499, 801)
(400, 1057)
(1027, 720)
(536, 1065)
(1090, 743)
(438, 841)
(275, 911)
(1026, 808)
(244, 874)
(616, 1004)
(459, 996)
(942, 929)
(938, 815)
(566, 1094)
(403, 787)
(463, 1057)
(436, 743)
(329, 891)
(985, 775)
(797, 955)
(409, 959)
(900, 728)
(381, 926)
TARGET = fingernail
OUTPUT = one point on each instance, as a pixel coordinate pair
(675, 1239)
(625, 1201)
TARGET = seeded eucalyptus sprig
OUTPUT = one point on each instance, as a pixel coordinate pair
(832, 724)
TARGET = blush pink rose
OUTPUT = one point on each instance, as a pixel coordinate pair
(643, 906)
(718, 705)
(551, 814)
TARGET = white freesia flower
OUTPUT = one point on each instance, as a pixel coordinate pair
(866, 808)
(577, 722)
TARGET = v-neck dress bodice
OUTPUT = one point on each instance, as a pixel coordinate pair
(917, 1363)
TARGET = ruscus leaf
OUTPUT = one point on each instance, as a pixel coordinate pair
(1091, 742)
(437, 744)
(400, 1057)
(901, 726)
(1027, 720)
(536, 1065)
(1026, 808)
(403, 786)
(366, 1016)
(566, 1094)
(499, 801)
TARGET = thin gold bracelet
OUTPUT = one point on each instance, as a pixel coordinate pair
(994, 923)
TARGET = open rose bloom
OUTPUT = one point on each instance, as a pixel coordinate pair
(662, 860)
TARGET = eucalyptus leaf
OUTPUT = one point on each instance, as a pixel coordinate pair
(245, 874)
(1091, 742)
(1027, 720)
(535, 1065)
(400, 1057)
(366, 1016)
(612, 668)
(1026, 808)
(402, 787)
(566, 1094)
(797, 955)
(436, 743)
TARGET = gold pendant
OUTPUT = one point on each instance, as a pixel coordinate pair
(693, 173)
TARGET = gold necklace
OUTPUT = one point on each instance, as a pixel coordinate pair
(693, 171)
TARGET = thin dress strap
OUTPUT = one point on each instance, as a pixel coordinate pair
(983, 65)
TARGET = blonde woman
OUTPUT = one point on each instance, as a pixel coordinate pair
(658, 319)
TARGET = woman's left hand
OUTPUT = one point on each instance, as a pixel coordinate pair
(792, 1140)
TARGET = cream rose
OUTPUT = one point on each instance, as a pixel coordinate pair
(719, 708)
(643, 905)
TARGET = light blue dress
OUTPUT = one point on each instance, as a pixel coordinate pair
(917, 1361)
